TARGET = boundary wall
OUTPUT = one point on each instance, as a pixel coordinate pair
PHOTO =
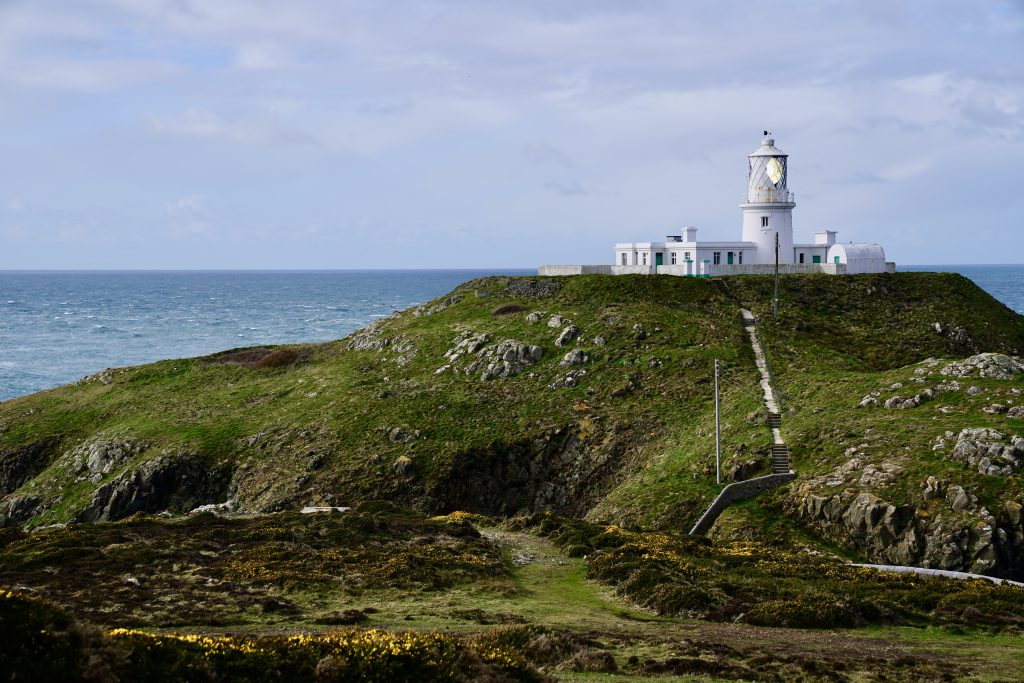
(735, 492)
(709, 270)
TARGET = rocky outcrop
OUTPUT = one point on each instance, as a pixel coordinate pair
(987, 450)
(568, 336)
(18, 508)
(575, 357)
(564, 470)
(99, 457)
(994, 365)
(174, 482)
(18, 465)
(472, 353)
(951, 532)
(902, 403)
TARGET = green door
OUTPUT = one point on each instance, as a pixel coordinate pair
(728, 258)
(836, 260)
(815, 259)
(659, 259)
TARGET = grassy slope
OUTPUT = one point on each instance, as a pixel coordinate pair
(341, 403)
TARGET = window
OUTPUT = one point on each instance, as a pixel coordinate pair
(686, 256)
(645, 258)
(673, 258)
(815, 259)
(625, 259)
(717, 258)
(741, 258)
(764, 221)
(801, 257)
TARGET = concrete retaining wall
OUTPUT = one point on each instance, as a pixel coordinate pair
(735, 492)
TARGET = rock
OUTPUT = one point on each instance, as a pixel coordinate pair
(1015, 411)
(18, 465)
(900, 402)
(399, 435)
(955, 333)
(227, 507)
(504, 359)
(102, 456)
(438, 307)
(655, 363)
(534, 317)
(575, 357)
(933, 488)
(178, 483)
(403, 466)
(957, 498)
(481, 293)
(533, 288)
(974, 391)
(951, 385)
(639, 333)
(571, 379)
(599, 341)
(994, 365)
(558, 321)
(18, 508)
(989, 451)
(868, 400)
(995, 409)
(568, 335)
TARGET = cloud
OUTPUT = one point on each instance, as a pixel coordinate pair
(199, 123)
(189, 217)
(569, 189)
(540, 153)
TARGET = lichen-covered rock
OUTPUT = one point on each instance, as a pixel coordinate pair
(571, 379)
(568, 336)
(869, 400)
(506, 358)
(534, 317)
(444, 304)
(575, 357)
(558, 321)
(994, 365)
(99, 457)
(1015, 411)
(989, 451)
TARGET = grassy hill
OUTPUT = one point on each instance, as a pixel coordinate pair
(470, 402)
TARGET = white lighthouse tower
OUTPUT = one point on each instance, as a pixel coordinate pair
(768, 206)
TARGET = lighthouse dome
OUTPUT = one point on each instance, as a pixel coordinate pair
(767, 149)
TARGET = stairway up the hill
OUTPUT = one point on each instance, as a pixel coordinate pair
(780, 458)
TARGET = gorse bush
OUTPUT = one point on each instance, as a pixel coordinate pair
(761, 585)
(40, 642)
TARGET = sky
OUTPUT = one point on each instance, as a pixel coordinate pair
(138, 134)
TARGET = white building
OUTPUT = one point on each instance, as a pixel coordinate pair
(767, 237)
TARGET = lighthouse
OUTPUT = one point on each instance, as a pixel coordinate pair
(768, 204)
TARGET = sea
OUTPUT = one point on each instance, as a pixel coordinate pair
(58, 326)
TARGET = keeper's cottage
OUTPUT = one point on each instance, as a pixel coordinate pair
(767, 238)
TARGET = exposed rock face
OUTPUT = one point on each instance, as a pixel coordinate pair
(949, 531)
(18, 508)
(403, 466)
(994, 365)
(102, 456)
(506, 358)
(178, 483)
(562, 470)
(18, 465)
(989, 451)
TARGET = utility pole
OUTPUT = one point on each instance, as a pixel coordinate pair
(775, 301)
(718, 431)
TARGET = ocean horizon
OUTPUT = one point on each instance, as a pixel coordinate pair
(60, 325)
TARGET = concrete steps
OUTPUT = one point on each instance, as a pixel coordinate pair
(774, 420)
(780, 458)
